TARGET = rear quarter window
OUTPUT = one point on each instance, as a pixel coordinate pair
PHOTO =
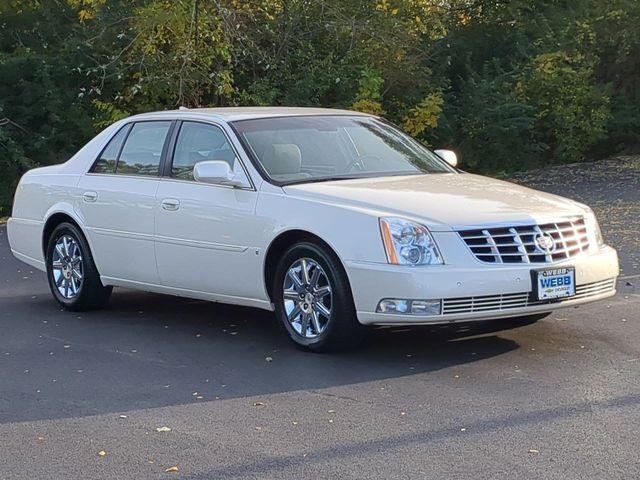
(106, 163)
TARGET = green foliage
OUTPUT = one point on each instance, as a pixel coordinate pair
(369, 93)
(179, 55)
(44, 117)
(13, 163)
(488, 126)
(424, 115)
(509, 85)
(570, 110)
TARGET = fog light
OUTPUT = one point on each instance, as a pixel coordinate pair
(409, 307)
(425, 307)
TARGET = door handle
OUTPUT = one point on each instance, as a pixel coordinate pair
(170, 204)
(89, 196)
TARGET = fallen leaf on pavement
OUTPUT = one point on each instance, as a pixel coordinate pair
(172, 469)
(163, 429)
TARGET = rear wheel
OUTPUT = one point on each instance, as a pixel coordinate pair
(313, 300)
(73, 278)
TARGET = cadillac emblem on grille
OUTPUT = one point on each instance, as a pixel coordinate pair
(528, 243)
(545, 243)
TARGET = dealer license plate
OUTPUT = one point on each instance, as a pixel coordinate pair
(555, 283)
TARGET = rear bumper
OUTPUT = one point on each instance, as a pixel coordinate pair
(25, 240)
(475, 293)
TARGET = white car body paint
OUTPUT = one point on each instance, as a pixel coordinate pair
(214, 245)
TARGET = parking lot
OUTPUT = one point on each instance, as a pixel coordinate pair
(163, 387)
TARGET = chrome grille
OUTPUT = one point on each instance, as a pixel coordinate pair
(488, 303)
(518, 244)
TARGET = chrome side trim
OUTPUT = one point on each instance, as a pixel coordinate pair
(121, 234)
(169, 240)
(200, 244)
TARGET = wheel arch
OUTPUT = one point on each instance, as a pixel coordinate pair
(280, 244)
(55, 217)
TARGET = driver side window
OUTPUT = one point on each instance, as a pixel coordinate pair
(199, 142)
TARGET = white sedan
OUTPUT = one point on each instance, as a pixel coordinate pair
(333, 219)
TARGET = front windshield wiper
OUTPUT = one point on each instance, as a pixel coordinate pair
(325, 179)
(331, 178)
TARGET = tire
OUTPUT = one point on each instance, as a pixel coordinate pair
(74, 280)
(340, 330)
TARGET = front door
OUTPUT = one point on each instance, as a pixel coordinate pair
(205, 234)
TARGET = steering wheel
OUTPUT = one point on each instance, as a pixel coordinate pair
(360, 162)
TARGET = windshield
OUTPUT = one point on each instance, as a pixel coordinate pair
(316, 148)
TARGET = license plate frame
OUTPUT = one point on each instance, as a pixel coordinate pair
(555, 290)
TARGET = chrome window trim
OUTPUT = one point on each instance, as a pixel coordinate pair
(247, 188)
(130, 125)
(169, 156)
(123, 175)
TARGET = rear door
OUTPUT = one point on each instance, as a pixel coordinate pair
(119, 198)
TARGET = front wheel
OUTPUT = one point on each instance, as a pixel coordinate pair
(313, 300)
(73, 277)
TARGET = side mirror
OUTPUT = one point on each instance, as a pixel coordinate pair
(448, 156)
(217, 172)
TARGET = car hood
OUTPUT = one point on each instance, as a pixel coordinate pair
(442, 201)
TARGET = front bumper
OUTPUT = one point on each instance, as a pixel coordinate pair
(477, 292)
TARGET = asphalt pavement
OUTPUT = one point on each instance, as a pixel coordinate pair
(163, 387)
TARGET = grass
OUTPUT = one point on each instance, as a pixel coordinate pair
(3, 220)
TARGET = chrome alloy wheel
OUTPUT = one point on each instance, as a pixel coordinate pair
(67, 267)
(307, 297)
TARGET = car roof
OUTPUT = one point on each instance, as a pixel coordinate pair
(231, 114)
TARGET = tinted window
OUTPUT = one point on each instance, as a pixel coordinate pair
(107, 161)
(198, 142)
(143, 148)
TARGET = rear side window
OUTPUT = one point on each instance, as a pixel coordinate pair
(109, 156)
(142, 149)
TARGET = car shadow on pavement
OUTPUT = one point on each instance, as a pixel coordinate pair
(146, 350)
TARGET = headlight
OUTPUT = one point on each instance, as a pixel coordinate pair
(408, 243)
(594, 226)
